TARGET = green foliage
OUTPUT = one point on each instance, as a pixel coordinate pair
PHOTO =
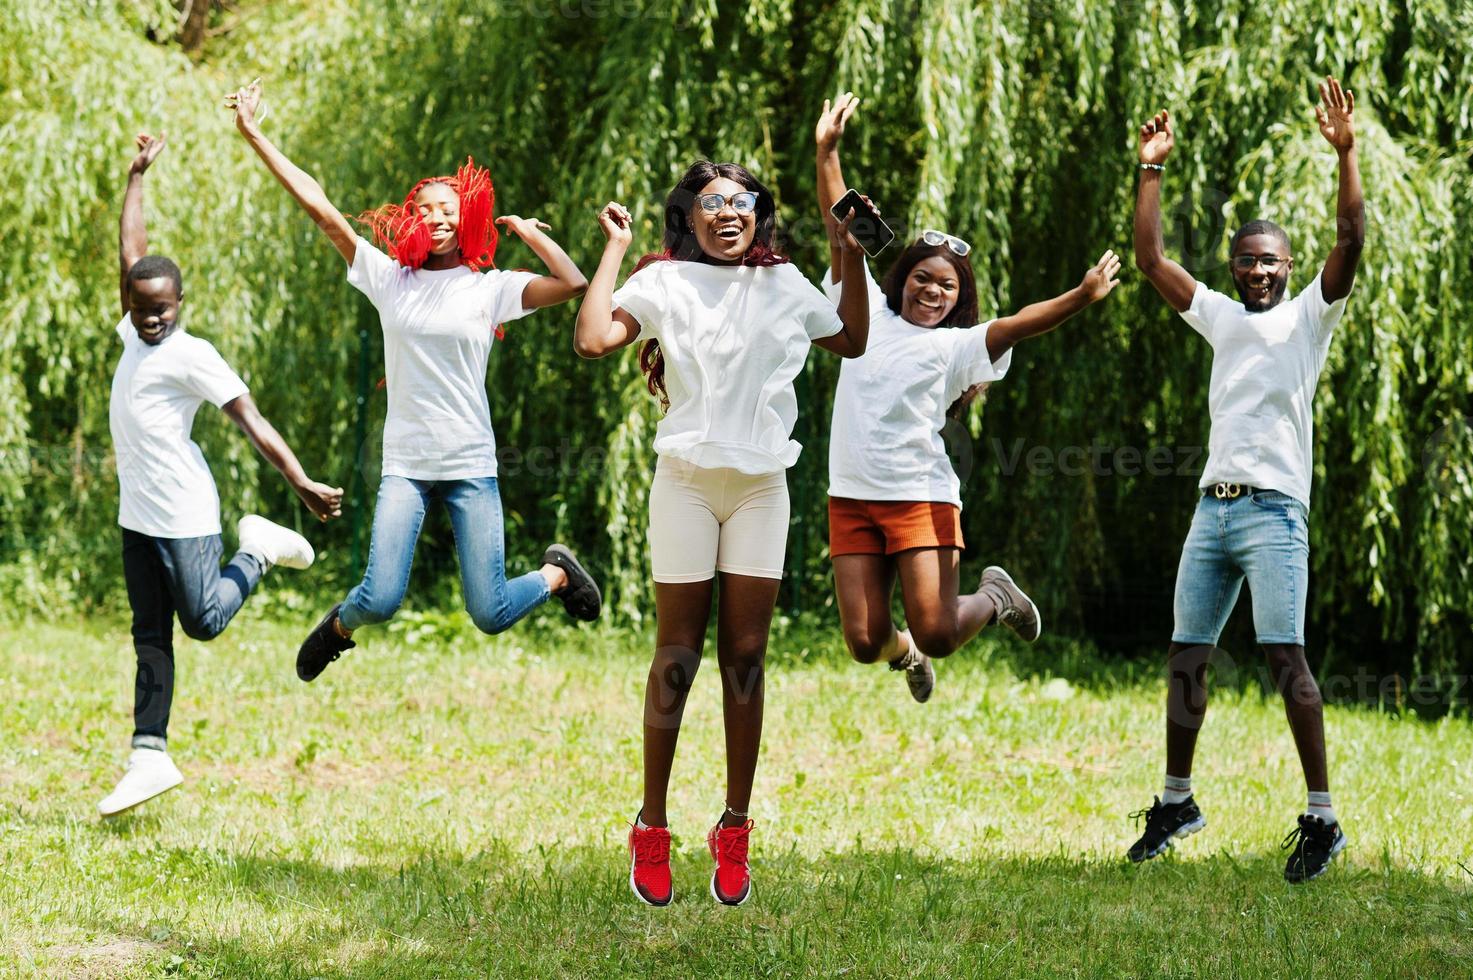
(1010, 123)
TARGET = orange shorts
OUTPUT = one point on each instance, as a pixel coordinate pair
(883, 527)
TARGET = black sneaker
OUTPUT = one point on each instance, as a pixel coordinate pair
(1163, 822)
(580, 596)
(321, 647)
(1314, 844)
(920, 674)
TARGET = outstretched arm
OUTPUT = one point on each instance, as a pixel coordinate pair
(132, 230)
(826, 134)
(303, 187)
(1336, 116)
(564, 282)
(1039, 318)
(322, 500)
(601, 329)
(1174, 283)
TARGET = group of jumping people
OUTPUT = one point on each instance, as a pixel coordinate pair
(725, 323)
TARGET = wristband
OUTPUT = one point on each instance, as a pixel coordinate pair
(1152, 166)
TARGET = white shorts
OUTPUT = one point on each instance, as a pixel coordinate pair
(707, 520)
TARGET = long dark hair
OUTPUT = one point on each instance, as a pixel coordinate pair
(679, 244)
(964, 313)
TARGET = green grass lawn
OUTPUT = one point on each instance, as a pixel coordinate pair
(455, 805)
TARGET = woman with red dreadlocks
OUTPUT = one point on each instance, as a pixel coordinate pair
(727, 325)
(440, 314)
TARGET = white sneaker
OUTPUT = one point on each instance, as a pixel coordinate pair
(150, 772)
(276, 544)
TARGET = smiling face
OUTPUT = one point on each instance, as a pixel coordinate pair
(439, 207)
(726, 234)
(930, 292)
(1260, 287)
(153, 306)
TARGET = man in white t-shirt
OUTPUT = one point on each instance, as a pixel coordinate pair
(1252, 518)
(168, 508)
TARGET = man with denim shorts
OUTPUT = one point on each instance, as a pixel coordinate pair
(1252, 519)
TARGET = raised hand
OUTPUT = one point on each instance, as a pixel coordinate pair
(522, 227)
(843, 237)
(1336, 115)
(617, 224)
(1157, 139)
(323, 501)
(1100, 280)
(245, 101)
(149, 148)
(830, 128)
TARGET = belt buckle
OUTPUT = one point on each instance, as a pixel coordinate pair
(1228, 491)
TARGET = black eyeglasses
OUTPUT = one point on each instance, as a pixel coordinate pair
(744, 202)
(1270, 263)
(958, 247)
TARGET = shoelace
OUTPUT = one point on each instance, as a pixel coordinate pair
(1297, 836)
(731, 843)
(1148, 813)
(651, 849)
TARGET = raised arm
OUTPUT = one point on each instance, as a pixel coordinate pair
(601, 329)
(303, 187)
(1336, 116)
(322, 500)
(853, 293)
(1174, 283)
(132, 230)
(564, 281)
(826, 136)
(1039, 318)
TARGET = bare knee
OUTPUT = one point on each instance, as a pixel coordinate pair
(935, 639)
(866, 644)
(1291, 673)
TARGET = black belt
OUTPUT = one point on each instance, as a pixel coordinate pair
(1230, 491)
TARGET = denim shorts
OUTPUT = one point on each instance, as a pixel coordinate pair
(1263, 536)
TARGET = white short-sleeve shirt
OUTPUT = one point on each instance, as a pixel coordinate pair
(439, 325)
(1265, 367)
(890, 406)
(164, 485)
(733, 339)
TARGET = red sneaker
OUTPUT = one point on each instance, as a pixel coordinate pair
(731, 882)
(649, 865)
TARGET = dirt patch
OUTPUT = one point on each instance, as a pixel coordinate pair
(94, 960)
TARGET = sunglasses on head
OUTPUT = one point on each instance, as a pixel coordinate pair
(958, 247)
(744, 202)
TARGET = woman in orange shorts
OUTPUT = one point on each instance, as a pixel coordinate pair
(894, 500)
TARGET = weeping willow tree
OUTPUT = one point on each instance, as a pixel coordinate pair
(1009, 123)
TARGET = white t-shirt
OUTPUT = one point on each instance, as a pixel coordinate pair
(1265, 367)
(438, 326)
(733, 339)
(164, 486)
(885, 441)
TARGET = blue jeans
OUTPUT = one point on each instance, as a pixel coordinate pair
(166, 576)
(1263, 537)
(475, 516)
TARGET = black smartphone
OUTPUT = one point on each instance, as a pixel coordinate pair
(871, 233)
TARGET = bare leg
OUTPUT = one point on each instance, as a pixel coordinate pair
(743, 618)
(1304, 709)
(1186, 704)
(940, 619)
(681, 613)
(864, 584)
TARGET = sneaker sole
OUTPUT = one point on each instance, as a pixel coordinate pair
(1339, 846)
(1185, 830)
(137, 803)
(1033, 607)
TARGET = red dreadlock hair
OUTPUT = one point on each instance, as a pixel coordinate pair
(399, 228)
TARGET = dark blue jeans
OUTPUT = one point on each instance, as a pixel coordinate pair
(165, 577)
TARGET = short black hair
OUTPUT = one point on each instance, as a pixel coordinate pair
(1258, 226)
(157, 267)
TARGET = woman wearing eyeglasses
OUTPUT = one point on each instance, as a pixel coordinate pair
(726, 325)
(894, 500)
